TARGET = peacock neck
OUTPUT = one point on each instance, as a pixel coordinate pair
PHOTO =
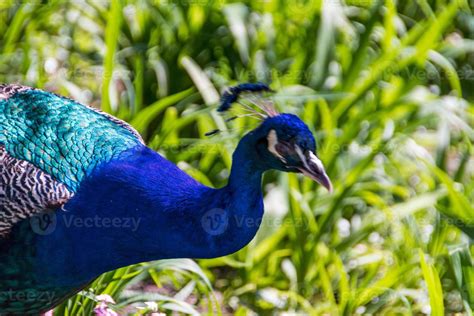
(230, 216)
(246, 172)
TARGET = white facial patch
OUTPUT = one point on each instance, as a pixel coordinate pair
(301, 155)
(272, 142)
(316, 160)
(312, 158)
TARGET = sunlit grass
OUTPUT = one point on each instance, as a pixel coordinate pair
(383, 85)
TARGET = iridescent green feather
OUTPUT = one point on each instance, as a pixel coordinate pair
(60, 136)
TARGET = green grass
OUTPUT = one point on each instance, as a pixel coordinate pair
(386, 86)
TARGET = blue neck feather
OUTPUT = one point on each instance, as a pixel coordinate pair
(144, 208)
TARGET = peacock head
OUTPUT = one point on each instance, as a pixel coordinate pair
(285, 143)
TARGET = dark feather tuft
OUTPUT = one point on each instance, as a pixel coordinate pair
(232, 94)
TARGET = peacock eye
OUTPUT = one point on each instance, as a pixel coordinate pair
(284, 148)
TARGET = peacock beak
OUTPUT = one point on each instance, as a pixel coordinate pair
(314, 169)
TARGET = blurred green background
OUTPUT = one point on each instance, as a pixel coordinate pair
(388, 89)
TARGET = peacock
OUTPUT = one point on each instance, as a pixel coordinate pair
(81, 194)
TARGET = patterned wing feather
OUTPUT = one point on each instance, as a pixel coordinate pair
(25, 190)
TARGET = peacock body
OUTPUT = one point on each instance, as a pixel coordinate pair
(81, 194)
